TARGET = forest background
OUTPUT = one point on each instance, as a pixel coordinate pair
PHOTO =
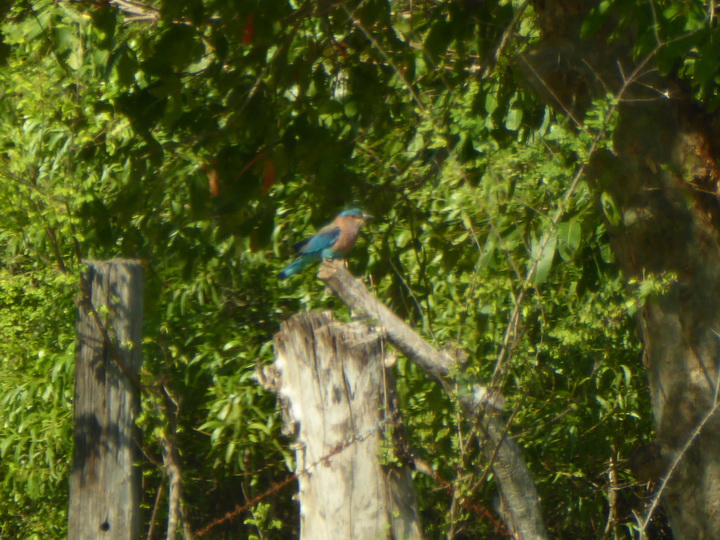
(206, 137)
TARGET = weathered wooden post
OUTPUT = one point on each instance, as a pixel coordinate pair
(336, 395)
(104, 484)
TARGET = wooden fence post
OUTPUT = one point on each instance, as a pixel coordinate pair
(336, 396)
(104, 484)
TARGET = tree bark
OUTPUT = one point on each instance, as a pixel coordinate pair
(662, 176)
(104, 484)
(337, 400)
(667, 231)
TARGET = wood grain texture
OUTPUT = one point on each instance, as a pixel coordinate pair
(104, 484)
(332, 382)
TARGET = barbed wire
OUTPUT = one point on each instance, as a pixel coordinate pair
(418, 464)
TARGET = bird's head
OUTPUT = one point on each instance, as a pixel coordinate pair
(355, 213)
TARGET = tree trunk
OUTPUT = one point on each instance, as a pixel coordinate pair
(662, 177)
(337, 399)
(104, 484)
(668, 230)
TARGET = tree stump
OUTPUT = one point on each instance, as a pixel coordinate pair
(337, 399)
(104, 484)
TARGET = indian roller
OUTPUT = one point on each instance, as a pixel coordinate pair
(331, 242)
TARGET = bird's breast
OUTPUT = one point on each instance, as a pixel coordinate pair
(345, 242)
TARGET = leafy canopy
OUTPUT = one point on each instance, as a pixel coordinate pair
(208, 142)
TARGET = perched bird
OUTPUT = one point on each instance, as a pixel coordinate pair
(330, 242)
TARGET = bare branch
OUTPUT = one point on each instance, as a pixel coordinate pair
(506, 38)
(174, 476)
(156, 508)
(612, 522)
(173, 471)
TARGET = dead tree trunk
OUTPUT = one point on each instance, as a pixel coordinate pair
(104, 485)
(337, 400)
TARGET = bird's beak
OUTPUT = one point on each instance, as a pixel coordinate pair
(367, 217)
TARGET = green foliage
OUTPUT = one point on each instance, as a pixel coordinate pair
(37, 342)
(679, 36)
(209, 143)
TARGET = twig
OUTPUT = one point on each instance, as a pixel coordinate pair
(171, 461)
(156, 508)
(711, 12)
(506, 38)
(612, 522)
(398, 72)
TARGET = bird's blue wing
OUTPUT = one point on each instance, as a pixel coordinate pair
(323, 240)
(298, 247)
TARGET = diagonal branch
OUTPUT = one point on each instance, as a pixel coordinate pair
(357, 297)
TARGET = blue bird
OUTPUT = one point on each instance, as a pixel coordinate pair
(332, 241)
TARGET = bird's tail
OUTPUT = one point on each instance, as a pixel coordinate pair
(294, 268)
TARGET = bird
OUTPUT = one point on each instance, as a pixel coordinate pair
(331, 242)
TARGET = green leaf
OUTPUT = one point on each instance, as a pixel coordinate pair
(491, 102)
(610, 209)
(514, 118)
(569, 235)
(544, 256)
